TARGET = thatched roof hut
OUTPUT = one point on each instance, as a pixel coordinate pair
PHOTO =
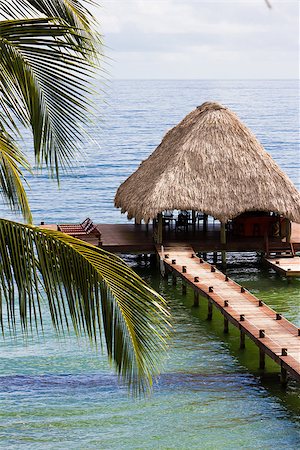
(209, 162)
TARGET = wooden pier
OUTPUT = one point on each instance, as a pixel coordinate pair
(288, 267)
(129, 238)
(274, 335)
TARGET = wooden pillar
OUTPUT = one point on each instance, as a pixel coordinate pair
(223, 242)
(194, 220)
(210, 310)
(159, 228)
(137, 222)
(283, 376)
(242, 339)
(215, 257)
(153, 260)
(196, 298)
(205, 217)
(288, 231)
(226, 325)
(183, 288)
(166, 274)
(174, 279)
(262, 359)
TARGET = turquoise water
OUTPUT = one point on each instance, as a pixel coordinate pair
(60, 394)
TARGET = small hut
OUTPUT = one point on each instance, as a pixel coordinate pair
(210, 162)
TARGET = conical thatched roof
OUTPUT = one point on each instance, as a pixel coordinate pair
(209, 162)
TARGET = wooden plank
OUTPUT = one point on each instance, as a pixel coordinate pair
(239, 306)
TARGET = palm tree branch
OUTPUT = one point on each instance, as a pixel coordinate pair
(93, 288)
(29, 65)
(71, 12)
(11, 176)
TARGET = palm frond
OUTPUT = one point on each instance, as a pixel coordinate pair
(44, 82)
(87, 287)
(71, 12)
(11, 177)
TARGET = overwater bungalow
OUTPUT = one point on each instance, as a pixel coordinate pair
(210, 173)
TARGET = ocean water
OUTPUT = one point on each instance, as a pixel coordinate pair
(60, 394)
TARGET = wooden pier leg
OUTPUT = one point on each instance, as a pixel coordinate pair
(153, 260)
(288, 231)
(242, 339)
(215, 257)
(283, 377)
(226, 325)
(159, 228)
(223, 242)
(223, 253)
(194, 220)
(196, 298)
(210, 310)
(205, 217)
(183, 288)
(174, 279)
(262, 359)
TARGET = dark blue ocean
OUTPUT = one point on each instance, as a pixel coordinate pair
(60, 394)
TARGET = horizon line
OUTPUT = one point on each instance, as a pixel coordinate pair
(203, 79)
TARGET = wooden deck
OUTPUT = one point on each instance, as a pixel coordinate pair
(131, 239)
(273, 334)
(288, 267)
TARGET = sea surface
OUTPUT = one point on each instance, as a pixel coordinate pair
(61, 394)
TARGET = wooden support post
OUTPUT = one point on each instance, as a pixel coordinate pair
(262, 359)
(242, 339)
(215, 257)
(194, 220)
(210, 310)
(159, 228)
(137, 222)
(223, 242)
(153, 260)
(196, 298)
(226, 325)
(174, 279)
(183, 288)
(283, 376)
(288, 231)
(205, 217)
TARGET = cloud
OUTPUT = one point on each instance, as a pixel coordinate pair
(252, 38)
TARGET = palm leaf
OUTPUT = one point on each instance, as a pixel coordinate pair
(87, 287)
(11, 177)
(44, 82)
(70, 12)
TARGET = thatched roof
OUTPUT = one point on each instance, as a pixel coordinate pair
(209, 162)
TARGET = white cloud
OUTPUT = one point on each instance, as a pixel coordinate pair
(188, 39)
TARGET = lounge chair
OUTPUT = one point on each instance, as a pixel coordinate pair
(82, 230)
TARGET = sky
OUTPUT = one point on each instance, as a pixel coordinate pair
(200, 39)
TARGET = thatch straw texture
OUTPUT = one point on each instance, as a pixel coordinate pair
(209, 162)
